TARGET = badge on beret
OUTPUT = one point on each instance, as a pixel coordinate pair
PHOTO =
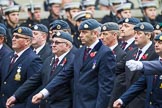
(126, 20)
(142, 27)
(58, 34)
(104, 27)
(30, 25)
(160, 37)
(58, 27)
(35, 27)
(85, 25)
(78, 38)
(87, 15)
(19, 30)
(157, 26)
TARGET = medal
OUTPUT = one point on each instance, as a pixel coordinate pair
(160, 85)
(94, 64)
(18, 75)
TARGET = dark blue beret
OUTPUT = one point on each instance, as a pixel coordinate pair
(144, 26)
(63, 35)
(40, 27)
(2, 31)
(158, 37)
(132, 20)
(109, 26)
(59, 25)
(24, 31)
(89, 24)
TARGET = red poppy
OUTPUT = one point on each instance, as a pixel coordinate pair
(145, 56)
(130, 48)
(92, 54)
(64, 62)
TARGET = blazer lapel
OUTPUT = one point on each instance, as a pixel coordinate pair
(92, 53)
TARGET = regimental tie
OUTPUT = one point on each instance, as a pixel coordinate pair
(123, 45)
(86, 52)
(138, 54)
(13, 60)
(54, 66)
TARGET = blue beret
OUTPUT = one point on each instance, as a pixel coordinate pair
(109, 26)
(132, 20)
(144, 26)
(89, 24)
(158, 37)
(63, 35)
(40, 27)
(24, 31)
(2, 31)
(59, 25)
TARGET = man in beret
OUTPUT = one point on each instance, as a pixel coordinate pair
(157, 30)
(127, 33)
(12, 20)
(93, 75)
(60, 25)
(151, 80)
(109, 37)
(39, 41)
(18, 66)
(62, 57)
(4, 49)
(144, 51)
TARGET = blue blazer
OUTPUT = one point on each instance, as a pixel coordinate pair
(93, 78)
(5, 50)
(28, 62)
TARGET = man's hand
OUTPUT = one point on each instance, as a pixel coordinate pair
(10, 102)
(37, 98)
(134, 65)
(117, 104)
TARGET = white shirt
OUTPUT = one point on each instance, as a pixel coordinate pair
(130, 41)
(113, 47)
(39, 48)
(144, 49)
(1, 45)
(61, 57)
(93, 45)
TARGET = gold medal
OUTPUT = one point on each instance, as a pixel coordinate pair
(160, 85)
(18, 75)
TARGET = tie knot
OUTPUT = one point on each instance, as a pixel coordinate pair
(88, 49)
(139, 51)
(56, 60)
(15, 56)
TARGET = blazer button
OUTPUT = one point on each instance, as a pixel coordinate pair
(4, 82)
(3, 95)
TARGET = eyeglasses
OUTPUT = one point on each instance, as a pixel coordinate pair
(18, 37)
(56, 42)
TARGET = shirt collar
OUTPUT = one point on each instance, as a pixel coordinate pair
(1, 45)
(21, 52)
(62, 56)
(94, 44)
(130, 41)
(113, 47)
(144, 49)
(39, 48)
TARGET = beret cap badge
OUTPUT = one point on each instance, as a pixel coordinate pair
(88, 15)
(126, 20)
(142, 26)
(19, 30)
(104, 27)
(35, 27)
(160, 38)
(58, 27)
(85, 25)
(157, 26)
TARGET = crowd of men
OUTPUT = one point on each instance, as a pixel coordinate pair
(79, 62)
